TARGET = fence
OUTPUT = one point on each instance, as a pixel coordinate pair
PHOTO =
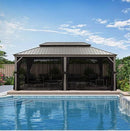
(7, 69)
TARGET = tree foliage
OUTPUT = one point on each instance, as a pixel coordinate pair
(123, 73)
(3, 60)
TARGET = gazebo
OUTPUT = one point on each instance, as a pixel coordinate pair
(65, 66)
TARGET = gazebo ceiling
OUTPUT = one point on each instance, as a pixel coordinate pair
(65, 49)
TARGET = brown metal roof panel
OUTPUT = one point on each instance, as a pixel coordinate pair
(65, 50)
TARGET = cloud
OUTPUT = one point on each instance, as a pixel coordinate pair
(78, 26)
(126, 1)
(127, 36)
(125, 11)
(9, 29)
(42, 30)
(64, 25)
(106, 41)
(91, 37)
(75, 31)
(73, 26)
(101, 21)
(6, 44)
(9, 32)
(121, 25)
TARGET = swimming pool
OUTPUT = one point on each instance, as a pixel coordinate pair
(62, 113)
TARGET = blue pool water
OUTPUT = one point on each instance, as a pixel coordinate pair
(62, 113)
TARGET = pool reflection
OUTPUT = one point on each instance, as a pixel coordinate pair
(53, 114)
(62, 114)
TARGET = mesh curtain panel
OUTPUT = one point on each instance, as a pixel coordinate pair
(88, 73)
(41, 73)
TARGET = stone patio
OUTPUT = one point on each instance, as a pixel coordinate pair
(6, 88)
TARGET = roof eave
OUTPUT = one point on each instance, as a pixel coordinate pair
(65, 55)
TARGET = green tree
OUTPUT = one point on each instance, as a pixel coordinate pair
(2, 54)
(3, 60)
(123, 73)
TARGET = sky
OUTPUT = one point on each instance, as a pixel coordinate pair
(105, 24)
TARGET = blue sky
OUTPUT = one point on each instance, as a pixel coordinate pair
(104, 24)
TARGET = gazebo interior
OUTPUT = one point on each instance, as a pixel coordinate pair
(82, 73)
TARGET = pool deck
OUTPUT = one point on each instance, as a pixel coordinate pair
(70, 92)
(125, 95)
(8, 90)
(4, 89)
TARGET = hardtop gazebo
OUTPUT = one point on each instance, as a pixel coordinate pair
(65, 66)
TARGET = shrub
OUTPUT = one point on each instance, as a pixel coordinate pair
(124, 85)
(9, 80)
(123, 73)
(2, 79)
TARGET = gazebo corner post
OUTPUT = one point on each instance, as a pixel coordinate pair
(65, 65)
(15, 74)
(114, 71)
(16, 79)
(113, 63)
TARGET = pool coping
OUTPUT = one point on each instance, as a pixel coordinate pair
(68, 92)
(58, 92)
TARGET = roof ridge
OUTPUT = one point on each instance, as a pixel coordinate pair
(64, 44)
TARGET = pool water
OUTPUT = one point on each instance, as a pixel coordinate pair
(62, 113)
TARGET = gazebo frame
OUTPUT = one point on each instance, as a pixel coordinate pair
(23, 55)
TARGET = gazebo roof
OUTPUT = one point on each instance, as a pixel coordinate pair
(59, 49)
(64, 44)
